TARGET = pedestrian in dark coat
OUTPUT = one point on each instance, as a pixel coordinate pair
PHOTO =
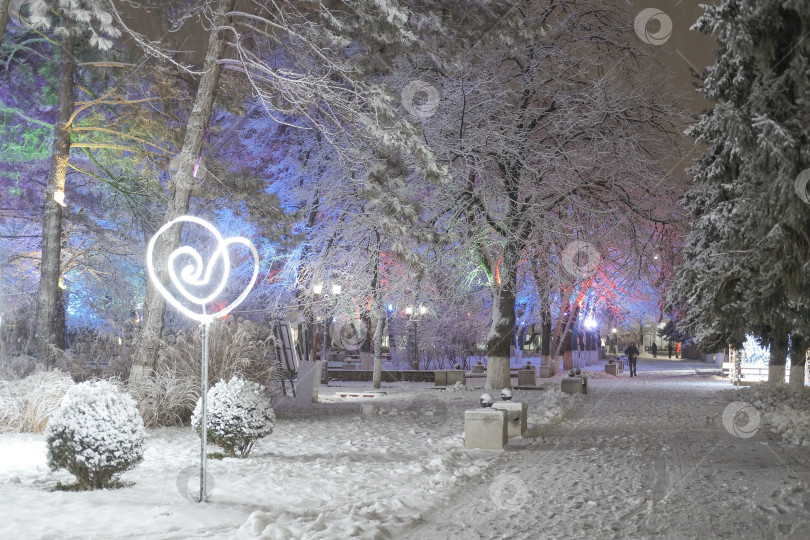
(632, 357)
(669, 349)
(654, 349)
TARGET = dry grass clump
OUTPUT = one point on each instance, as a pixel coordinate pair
(236, 348)
(166, 398)
(27, 404)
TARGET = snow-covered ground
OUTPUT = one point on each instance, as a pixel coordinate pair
(635, 458)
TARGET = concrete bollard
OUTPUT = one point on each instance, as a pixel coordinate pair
(485, 428)
(527, 377)
(517, 427)
(570, 385)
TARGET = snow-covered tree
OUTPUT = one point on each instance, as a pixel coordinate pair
(71, 20)
(541, 139)
(745, 260)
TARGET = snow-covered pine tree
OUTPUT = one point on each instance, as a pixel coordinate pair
(71, 21)
(745, 262)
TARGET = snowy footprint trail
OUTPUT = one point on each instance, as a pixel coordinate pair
(647, 457)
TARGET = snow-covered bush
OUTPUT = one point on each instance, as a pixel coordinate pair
(96, 434)
(27, 404)
(783, 412)
(239, 414)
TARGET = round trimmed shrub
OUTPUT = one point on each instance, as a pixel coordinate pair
(96, 434)
(239, 414)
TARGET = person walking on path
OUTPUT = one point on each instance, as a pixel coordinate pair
(632, 358)
(669, 349)
(654, 350)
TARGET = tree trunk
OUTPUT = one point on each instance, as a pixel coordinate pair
(50, 271)
(365, 347)
(499, 340)
(378, 339)
(392, 339)
(3, 18)
(60, 320)
(148, 342)
(379, 309)
(776, 363)
(798, 359)
(545, 343)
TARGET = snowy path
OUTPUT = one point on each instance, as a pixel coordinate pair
(635, 458)
(641, 458)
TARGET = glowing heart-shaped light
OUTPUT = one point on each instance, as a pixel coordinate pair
(197, 273)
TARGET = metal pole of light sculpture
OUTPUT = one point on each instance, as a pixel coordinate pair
(197, 274)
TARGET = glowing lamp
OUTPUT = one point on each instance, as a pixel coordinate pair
(590, 323)
(336, 289)
(197, 273)
(317, 288)
(409, 310)
(390, 308)
(422, 310)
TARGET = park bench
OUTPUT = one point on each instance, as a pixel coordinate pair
(491, 428)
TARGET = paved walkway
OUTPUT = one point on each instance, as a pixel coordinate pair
(646, 457)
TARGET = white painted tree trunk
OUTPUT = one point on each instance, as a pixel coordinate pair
(796, 378)
(776, 363)
(776, 374)
(378, 338)
(498, 374)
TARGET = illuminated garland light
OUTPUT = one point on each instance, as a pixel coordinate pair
(197, 273)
